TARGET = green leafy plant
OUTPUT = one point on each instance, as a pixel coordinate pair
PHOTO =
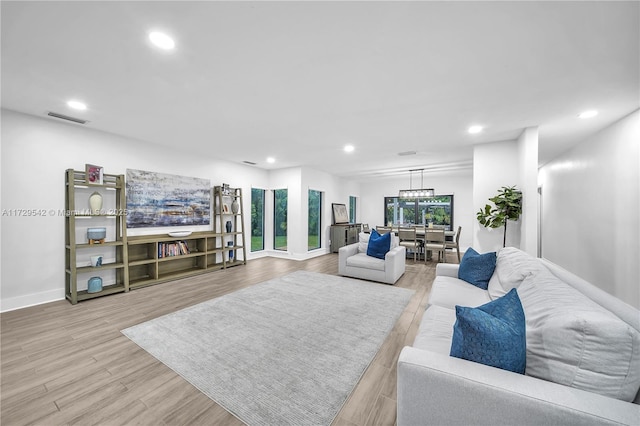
(507, 206)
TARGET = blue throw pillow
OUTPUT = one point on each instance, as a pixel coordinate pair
(378, 244)
(492, 334)
(477, 268)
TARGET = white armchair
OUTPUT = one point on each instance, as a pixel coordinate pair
(354, 262)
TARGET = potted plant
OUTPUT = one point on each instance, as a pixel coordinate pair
(508, 206)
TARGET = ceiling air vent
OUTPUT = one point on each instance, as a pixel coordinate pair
(249, 162)
(66, 117)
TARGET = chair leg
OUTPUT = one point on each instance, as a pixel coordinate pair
(458, 249)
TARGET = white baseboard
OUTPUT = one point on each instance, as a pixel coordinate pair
(13, 303)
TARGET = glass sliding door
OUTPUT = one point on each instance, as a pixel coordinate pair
(257, 219)
(315, 222)
(280, 201)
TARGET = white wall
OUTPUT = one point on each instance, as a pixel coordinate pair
(35, 154)
(590, 209)
(459, 183)
(528, 184)
(299, 181)
(289, 179)
(494, 165)
(334, 190)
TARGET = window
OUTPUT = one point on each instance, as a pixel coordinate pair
(352, 209)
(257, 219)
(280, 219)
(315, 214)
(421, 211)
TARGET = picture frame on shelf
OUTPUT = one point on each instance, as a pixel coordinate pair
(340, 214)
(94, 174)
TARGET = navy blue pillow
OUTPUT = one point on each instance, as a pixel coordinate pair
(477, 268)
(378, 244)
(492, 334)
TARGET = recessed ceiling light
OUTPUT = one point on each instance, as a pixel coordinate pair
(349, 148)
(77, 105)
(475, 129)
(588, 114)
(271, 160)
(162, 40)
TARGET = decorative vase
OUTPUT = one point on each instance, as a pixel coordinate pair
(95, 202)
(231, 252)
(228, 225)
(235, 206)
(94, 285)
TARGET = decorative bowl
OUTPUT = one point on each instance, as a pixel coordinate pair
(180, 233)
(96, 233)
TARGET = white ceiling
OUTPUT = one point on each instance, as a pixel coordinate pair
(299, 80)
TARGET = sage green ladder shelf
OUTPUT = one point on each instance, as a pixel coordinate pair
(79, 217)
(224, 213)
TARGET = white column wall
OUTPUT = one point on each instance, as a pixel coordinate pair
(494, 165)
(591, 209)
(528, 184)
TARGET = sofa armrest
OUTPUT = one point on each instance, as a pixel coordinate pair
(439, 389)
(345, 252)
(394, 261)
(447, 269)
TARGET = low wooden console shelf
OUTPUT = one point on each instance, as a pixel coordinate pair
(158, 258)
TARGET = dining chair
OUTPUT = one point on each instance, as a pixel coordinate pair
(383, 229)
(455, 244)
(408, 239)
(365, 228)
(434, 240)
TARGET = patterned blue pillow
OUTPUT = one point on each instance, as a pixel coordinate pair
(476, 268)
(492, 334)
(378, 244)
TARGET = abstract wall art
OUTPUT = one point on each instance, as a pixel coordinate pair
(160, 199)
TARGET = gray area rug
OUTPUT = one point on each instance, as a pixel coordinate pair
(286, 351)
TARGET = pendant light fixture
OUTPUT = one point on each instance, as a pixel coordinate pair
(419, 192)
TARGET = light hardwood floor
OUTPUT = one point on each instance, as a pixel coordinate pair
(65, 364)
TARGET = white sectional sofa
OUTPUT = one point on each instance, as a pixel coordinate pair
(582, 354)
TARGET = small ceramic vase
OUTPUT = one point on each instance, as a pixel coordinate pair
(235, 207)
(228, 225)
(95, 202)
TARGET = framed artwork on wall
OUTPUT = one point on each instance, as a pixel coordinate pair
(340, 214)
(161, 199)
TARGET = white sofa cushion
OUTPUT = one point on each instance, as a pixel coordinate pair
(361, 260)
(573, 341)
(512, 267)
(436, 330)
(449, 292)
